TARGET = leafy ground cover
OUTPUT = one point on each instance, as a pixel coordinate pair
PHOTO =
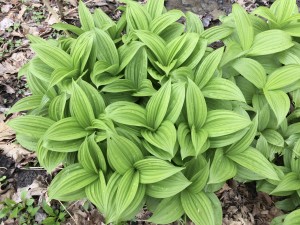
(240, 203)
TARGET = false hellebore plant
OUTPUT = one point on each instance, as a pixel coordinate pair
(142, 112)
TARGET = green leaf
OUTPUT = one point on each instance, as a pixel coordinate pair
(253, 160)
(80, 106)
(157, 106)
(207, 68)
(217, 207)
(252, 70)
(262, 46)
(69, 181)
(243, 26)
(33, 126)
(222, 168)
(284, 9)
(223, 122)
(65, 130)
(27, 103)
(135, 114)
(266, 13)
(273, 137)
(57, 106)
(193, 23)
(86, 18)
(122, 153)
(90, 155)
(155, 7)
(199, 140)
(60, 74)
(153, 170)
(117, 86)
(163, 21)
(292, 218)
(198, 207)
(137, 16)
(279, 103)
(106, 50)
(216, 33)
(168, 187)
(220, 88)
(185, 141)
(290, 182)
(283, 77)
(127, 190)
(195, 106)
(39, 69)
(52, 56)
(69, 27)
(198, 173)
(167, 211)
(164, 137)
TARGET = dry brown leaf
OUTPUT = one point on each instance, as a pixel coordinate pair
(22, 11)
(6, 8)
(6, 133)
(15, 151)
(6, 23)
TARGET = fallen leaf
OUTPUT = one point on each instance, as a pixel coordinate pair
(6, 8)
(22, 11)
(6, 133)
(6, 23)
(15, 151)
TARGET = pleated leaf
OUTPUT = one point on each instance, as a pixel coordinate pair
(290, 182)
(68, 181)
(80, 106)
(193, 23)
(86, 18)
(56, 109)
(33, 126)
(168, 187)
(252, 70)
(155, 7)
(262, 46)
(157, 106)
(220, 88)
(207, 68)
(27, 103)
(255, 161)
(292, 218)
(222, 168)
(168, 210)
(195, 106)
(52, 56)
(198, 208)
(137, 16)
(122, 153)
(279, 103)
(69, 27)
(153, 170)
(216, 33)
(283, 77)
(223, 122)
(65, 130)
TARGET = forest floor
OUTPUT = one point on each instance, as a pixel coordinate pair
(19, 169)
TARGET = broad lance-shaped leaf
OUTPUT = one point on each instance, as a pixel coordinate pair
(27, 103)
(127, 190)
(292, 218)
(176, 102)
(90, 155)
(222, 168)
(65, 130)
(198, 207)
(69, 27)
(164, 137)
(290, 182)
(69, 182)
(243, 26)
(262, 46)
(193, 23)
(157, 106)
(223, 122)
(80, 106)
(220, 88)
(283, 77)
(252, 70)
(137, 16)
(167, 211)
(168, 187)
(135, 114)
(255, 161)
(61, 74)
(216, 33)
(273, 137)
(155, 7)
(195, 106)
(86, 18)
(153, 170)
(216, 204)
(284, 10)
(122, 153)
(207, 68)
(199, 140)
(53, 56)
(33, 126)
(279, 103)
(57, 106)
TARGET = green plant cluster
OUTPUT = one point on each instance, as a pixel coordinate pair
(142, 112)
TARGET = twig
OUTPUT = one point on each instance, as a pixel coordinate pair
(47, 4)
(72, 10)
(32, 168)
(68, 212)
(13, 51)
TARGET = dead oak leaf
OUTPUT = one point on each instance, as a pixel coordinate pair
(6, 133)
(15, 151)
